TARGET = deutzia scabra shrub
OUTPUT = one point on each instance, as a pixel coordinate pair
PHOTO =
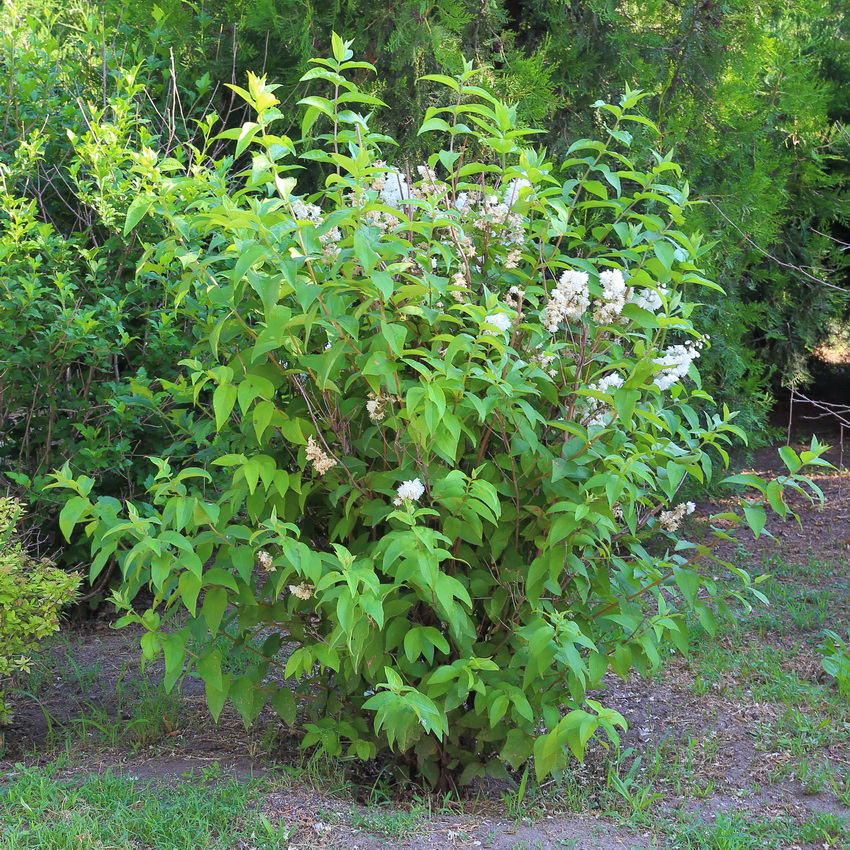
(32, 593)
(447, 417)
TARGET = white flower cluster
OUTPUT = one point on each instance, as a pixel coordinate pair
(650, 299)
(460, 290)
(430, 185)
(265, 561)
(303, 590)
(614, 296)
(384, 221)
(395, 190)
(380, 179)
(567, 301)
(329, 240)
(305, 212)
(514, 296)
(502, 321)
(676, 361)
(671, 520)
(321, 462)
(376, 406)
(511, 195)
(513, 259)
(493, 214)
(409, 491)
(544, 362)
(596, 411)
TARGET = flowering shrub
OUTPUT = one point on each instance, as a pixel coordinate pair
(446, 417)
(31, 595)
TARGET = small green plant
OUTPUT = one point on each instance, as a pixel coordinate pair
(836, 660)
(445, 417)
(634, 788)
(515, 803)
(32, 593)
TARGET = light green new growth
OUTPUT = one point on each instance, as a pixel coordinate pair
(32, 593)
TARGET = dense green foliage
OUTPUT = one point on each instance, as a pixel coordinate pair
(32, 593)
(81, 337)
(444, 423)
(749, 93)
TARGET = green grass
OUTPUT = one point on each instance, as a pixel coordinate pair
(392, 822)
(740, 831)
(38, 810)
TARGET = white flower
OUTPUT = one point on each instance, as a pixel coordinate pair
(375, 406)
(513, 296)
(605, 383)
(596, 411)
(305, 212)
(303, 590)
(567, 301)
(265, 561)
(613, 284)
(395, 190)
(514, 188)
(333, 235)
(409, 491)
(321, 462)
(380, 179)
(676, 360)
(672, 519)
(614, 294)
(502, 321)
(513, 259)
(651, 300)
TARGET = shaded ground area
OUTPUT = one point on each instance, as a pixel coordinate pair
(744, 744)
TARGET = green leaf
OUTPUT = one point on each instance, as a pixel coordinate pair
(246, 260)
(209, 669)
(518, 748)
(138, 209)
(215, 603)
(189, 587)
(395, 335)
(217, 697)
(756, 518)
(224, 400)
(71, 513)
(283, 703)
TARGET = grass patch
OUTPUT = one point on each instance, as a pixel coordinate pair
(392, 822)
(38, 810)
(740, 831)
